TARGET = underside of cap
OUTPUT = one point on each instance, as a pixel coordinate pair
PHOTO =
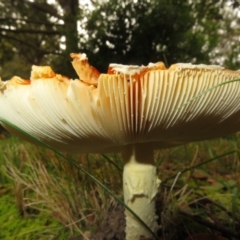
(149, 106)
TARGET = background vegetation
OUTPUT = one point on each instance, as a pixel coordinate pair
(130, 32)
(44, 197)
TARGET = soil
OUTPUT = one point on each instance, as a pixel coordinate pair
(112, 226)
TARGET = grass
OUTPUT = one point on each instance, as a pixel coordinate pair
(30, 226)
(44, 197)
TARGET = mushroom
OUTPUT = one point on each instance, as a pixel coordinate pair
(133, 110)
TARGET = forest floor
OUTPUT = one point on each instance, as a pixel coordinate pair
(45, 197)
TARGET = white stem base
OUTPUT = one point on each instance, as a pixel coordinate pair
(140, 186)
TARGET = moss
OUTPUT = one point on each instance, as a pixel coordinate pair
(15, 226)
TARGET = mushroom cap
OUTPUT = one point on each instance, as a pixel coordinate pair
(145, 105)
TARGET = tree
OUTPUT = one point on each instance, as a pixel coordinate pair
(227, 51)
(138, 32)
(33, 31)
(121, 31)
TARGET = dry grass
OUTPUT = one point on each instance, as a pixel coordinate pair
(192, 186)
(44, 183)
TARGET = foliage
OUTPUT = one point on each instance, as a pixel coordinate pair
(138, 32)
(34, 31)
(128, 32)
(203, 198)
(24, 33)
(229, 47)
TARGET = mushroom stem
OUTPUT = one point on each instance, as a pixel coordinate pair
(140, 186)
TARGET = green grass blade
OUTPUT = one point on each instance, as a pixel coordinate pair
(234, 205)
(112, 162)
(207, 91)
